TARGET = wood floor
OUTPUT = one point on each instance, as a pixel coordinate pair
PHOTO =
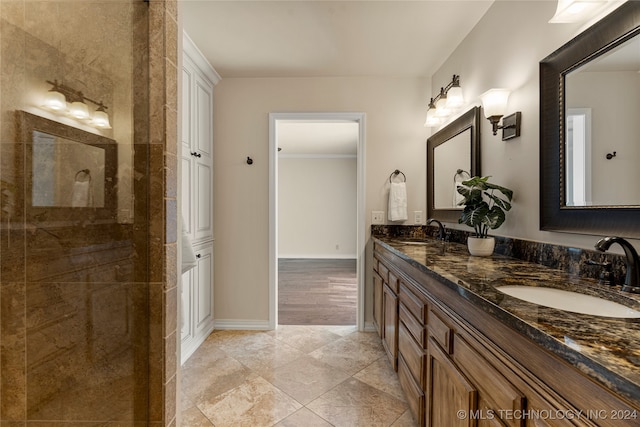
(317, 291)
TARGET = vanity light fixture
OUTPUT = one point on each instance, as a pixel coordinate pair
(569, 11)
(62, 99)
(445, 103)
(494, 104)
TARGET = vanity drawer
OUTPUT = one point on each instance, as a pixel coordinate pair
(393, 282)
(417, 330)
(383, 271)
(415, 304)
(413, 355)
(440, 331)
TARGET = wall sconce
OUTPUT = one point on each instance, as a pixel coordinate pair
(63, 99)
(576, 10)
(494, 104)
(445, 103)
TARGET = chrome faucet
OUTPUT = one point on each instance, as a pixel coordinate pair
(632, 281)
(441, 233)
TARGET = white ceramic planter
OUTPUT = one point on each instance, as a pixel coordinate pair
(481, 247)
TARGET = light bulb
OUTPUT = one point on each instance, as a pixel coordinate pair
(79, 110)
(101, 120)
(431, 120)
(55, 101)
(441, 107)
(494, 102)
(454, 97)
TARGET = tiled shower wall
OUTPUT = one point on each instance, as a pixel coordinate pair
(87, 306)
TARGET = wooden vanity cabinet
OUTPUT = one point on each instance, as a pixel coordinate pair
(460, 366)
(385, 300)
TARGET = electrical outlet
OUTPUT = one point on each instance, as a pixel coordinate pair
(377, 217)
(417, 217)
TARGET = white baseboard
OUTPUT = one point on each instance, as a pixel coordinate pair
(242, 325)
(318, 256)
(187, 348)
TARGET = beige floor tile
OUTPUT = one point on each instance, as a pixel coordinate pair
(380, 374)
(354, 404)
(306, 378)
(351, 353)
(303, 418)
(304, 338)
(203, 381)
(254, 403)
(405, 420)
(192, 417)
(260, 351)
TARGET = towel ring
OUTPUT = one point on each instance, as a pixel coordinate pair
(396, 173)
(87, 172)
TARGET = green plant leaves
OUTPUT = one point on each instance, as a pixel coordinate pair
(477, 212)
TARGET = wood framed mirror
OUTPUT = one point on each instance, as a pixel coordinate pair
(70, 173)
(454, 148)
(589, 148)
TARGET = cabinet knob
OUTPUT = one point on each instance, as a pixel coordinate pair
(193, 153)
(198, 256)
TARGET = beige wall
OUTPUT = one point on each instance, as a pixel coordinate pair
(317, 207)
(504, 50)
(395, 139)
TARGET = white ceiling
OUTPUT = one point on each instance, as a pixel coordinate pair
(328, 39)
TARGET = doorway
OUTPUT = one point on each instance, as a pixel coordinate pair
(279, 125)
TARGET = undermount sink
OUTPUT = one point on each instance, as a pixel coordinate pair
(570, 301)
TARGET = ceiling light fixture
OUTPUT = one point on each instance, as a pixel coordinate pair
(448, 101)
(494, 104)
(576, 10)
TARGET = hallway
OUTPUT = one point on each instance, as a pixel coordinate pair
(294, 376)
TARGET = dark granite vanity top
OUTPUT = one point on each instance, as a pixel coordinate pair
(604, 348)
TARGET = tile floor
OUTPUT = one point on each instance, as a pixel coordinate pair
(295, 376)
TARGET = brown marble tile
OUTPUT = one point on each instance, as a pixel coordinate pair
(354, 403)
(13, 351)
(170, 177)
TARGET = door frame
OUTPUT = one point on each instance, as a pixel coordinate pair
(358, 118)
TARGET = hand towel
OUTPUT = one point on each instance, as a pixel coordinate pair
(398, 201)
(188, 257)
(81, 196)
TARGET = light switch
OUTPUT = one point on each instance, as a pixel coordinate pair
(377, 217)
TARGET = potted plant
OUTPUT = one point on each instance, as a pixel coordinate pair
(485, 205)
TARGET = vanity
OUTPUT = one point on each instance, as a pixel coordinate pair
(499, 360)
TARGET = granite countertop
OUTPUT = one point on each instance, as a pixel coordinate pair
(604, 348)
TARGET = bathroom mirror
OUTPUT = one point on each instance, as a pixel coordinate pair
(453, 155)
(72, 172)
(589, 127)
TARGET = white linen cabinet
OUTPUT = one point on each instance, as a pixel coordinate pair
(198, 80)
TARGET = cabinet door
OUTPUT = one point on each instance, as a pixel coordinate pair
(377, 302)
(203, 305)
(390, 319)
(452, 399)
(203, 146)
